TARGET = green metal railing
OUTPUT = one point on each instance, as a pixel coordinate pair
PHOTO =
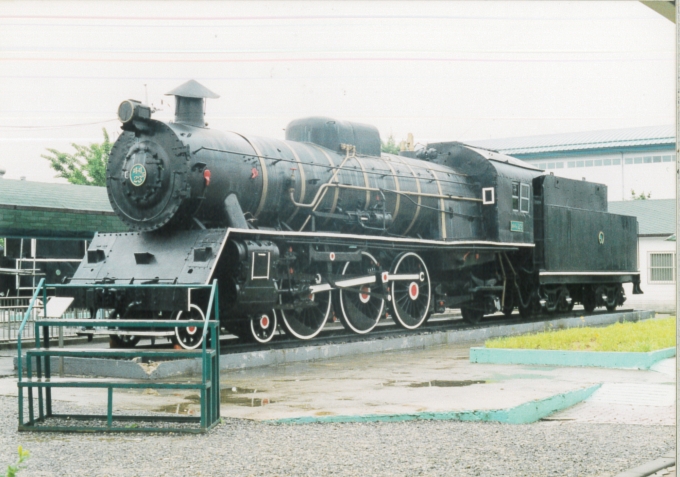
(43, 382)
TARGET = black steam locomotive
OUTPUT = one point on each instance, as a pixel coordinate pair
(323, 224)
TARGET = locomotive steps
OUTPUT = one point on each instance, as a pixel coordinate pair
(116, 368)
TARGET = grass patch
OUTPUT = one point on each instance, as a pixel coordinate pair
(643, 336)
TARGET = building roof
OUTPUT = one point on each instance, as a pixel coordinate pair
(655, 217)
(587, 140)
(42, 195)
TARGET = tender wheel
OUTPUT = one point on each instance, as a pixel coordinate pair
(410, 297)
(190, 337)
(125, 341)
(472, 315)
(589, 300)
(263, 328)
(360, 312)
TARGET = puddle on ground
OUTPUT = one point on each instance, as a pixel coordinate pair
(239, 397)
(180, 408)
(435, 383)
(236, 396)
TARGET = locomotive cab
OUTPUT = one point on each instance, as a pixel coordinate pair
(505, 185)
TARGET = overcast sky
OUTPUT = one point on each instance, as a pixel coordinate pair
(443, 71)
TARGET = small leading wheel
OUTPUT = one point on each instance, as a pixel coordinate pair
(410, 291)
(125, 340)
(307, 320)
(263, 327)
(361, 311)
(190, 337)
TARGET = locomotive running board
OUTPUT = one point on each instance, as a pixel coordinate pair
(475, 245)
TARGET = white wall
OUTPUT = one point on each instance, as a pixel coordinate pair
(657, 296)
(620, 172)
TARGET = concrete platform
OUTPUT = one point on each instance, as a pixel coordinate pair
(405, 383)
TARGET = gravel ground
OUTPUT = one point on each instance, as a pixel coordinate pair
(246, 448)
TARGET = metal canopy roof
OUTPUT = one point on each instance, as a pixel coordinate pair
(42, 195)
(655, 217)
(610, 138)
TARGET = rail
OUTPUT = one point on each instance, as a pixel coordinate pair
(43, 383)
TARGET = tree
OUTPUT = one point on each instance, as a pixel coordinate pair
(87, 166)
(640, 196)
(390, 147)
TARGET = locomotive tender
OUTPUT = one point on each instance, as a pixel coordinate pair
(323, 224)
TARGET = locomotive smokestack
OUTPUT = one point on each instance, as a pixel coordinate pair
(190, 101)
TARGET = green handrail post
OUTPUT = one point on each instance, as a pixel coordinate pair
(46, 339)
(29, 376)
(216, 356)
(109, 407)
(19, 363)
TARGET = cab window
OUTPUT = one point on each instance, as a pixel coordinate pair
(521, 197)
(524, 199)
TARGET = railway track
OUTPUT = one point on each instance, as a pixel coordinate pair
(335, 333)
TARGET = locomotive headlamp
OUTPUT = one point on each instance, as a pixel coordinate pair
(131, 110)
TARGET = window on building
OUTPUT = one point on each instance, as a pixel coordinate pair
(617, 162)
(525, 194)
(656, 158)
(598, 162)
(648, 159)
(571, 164)
(551, 165)
(661, 267)
(579, 163)
(607, 162)
(559, 165)
(589, 163)
(638, 160)
(629, 160)
(515, 196)
(541, 165)
(667, 159)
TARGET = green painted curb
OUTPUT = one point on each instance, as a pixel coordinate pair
(600, 359)
(523, 414)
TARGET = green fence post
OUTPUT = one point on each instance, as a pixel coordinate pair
(216, 356)
(48, 374)
(38, 371)
(29, 377)
(109, 408)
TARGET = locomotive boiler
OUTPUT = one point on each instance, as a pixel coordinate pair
(323, 224)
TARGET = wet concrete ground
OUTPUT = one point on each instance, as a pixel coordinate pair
(437, 379)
